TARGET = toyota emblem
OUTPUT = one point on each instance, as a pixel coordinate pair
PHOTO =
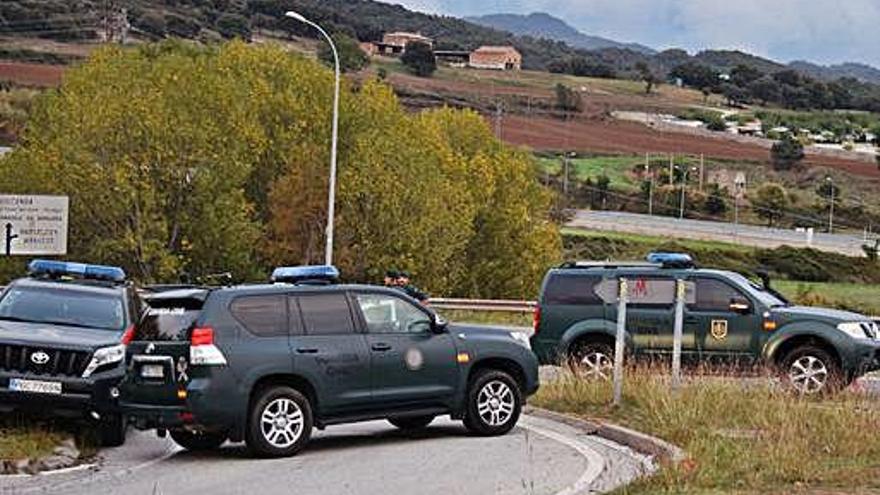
(39, 358)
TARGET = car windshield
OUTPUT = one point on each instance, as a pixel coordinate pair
(757, 290)
(63, 307)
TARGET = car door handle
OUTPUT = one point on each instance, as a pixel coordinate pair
(306, 350)
(380, 347)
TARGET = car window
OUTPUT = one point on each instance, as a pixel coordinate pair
(325, 314)
(564, 288)
(714, 295)
(263, 316)
(388, 314)
(64, 307)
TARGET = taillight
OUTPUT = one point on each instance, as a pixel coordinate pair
(202, 336)
(127, 336)
(202, 350)
(536, 322)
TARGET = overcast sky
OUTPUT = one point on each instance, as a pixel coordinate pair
(825, 31)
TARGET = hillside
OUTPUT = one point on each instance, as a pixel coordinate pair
(543, 25)
(862, 72)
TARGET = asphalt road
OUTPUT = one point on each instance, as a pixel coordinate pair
(537, 457)
(749, 235)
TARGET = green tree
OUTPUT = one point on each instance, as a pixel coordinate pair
(770, 202)
(648, 76)
(787, 152)
(419, 59)
(351, 57)
(716, 200)
(568, 99)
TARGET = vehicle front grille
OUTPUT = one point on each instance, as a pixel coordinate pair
(61, 362)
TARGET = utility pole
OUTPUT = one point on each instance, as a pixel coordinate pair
(702, 171)
(830, 182)
(650, 184)
(565, 173)
(671, 165)
(499, 116)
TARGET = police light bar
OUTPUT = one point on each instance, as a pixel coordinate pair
(294, 274)
(52, 268)
(671, 260)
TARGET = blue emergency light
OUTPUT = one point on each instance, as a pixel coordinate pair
(671, 260)
(295, 274)
(52, 268)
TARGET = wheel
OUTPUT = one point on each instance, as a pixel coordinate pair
(198, 441)
(411, 422)
(811, 370)
(494, 402)
(280, 422)
(592, 360)
(112, 430)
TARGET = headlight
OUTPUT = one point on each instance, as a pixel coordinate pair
(855, 329)
(104, 356)
(521, 338)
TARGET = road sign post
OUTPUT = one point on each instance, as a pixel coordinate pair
(620, 341)
(677, 333)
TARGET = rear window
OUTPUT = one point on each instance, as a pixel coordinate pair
(63, 306)
(168, 319)
(564, 288)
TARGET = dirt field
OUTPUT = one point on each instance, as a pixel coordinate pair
(33, 75)
(609, 136)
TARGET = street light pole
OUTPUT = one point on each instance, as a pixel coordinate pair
(331, 196)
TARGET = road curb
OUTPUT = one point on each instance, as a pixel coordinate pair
(636, 440)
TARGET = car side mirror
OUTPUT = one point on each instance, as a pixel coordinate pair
(438, 324)
(740, 306)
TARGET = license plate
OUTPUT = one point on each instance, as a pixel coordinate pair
(153, 371)
(35, 386)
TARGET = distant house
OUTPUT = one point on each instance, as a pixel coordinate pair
(496, 57)
(395, 43)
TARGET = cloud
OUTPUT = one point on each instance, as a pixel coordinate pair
(822, 31)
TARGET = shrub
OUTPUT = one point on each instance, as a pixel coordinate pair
(419, 59)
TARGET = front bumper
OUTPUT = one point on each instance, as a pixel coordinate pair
(79, 397)
(865, 357)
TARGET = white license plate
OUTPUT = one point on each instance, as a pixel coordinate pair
(152, 371)
(34, 386)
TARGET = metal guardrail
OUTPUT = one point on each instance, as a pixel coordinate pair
(484, 305)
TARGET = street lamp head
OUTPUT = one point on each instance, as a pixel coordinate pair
(295, 15)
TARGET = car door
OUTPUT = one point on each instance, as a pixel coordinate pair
(650, 314)
(329, 351)
(723, 318)
(410, 364)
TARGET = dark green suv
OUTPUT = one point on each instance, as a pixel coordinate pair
(727, 317)
(265, 363)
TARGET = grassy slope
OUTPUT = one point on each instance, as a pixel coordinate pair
(740, 438)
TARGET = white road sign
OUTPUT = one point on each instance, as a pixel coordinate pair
(33, 224)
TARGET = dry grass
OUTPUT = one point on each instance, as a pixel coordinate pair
(20, 438)
(742, 435)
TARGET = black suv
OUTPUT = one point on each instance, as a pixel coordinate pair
(265, 364)
(63, 331)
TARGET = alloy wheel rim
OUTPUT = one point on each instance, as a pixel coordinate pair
(281, 423)
(808, 374)
(495, 403)
(595, 364)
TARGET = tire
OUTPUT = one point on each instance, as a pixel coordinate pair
(494, 403)
(411, 422)
(279, 422)
(592, 360)
(198, 441)
(112, 430)
(811, 370)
